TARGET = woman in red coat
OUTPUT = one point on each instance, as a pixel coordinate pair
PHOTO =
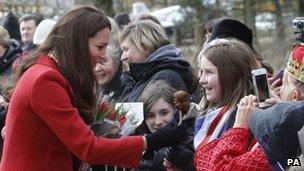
(53, 97)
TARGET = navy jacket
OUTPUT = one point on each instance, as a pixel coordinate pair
(166, 63)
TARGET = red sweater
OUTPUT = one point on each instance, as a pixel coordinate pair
(43, 127)
(230, 152)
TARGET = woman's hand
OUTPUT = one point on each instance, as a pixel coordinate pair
(275, 88)
(274, 98)
(245, 108)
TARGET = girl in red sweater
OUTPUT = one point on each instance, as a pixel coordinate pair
(226, 66)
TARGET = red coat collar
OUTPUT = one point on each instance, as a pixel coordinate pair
(48, 61)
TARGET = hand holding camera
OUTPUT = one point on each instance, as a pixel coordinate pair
(261, 87)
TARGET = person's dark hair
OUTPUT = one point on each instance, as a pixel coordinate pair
(11, 24)
(68, 42)
(27, 17)
(154, 91)
(235, 80)
(122, 19)
(208, 26)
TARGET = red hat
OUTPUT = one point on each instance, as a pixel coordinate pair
(295, 64)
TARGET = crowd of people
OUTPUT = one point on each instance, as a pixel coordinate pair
(54, 74)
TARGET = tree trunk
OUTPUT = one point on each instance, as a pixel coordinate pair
(280, 32)
(217, 10)
(301, 7)
(250, 12)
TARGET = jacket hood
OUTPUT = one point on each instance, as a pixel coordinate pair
(164, 58)
(167, 52)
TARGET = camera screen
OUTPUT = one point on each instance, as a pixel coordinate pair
(262, 87)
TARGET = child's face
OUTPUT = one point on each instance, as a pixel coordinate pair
(159, 115)
(209, 80)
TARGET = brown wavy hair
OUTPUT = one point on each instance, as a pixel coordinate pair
(234, 61)
(68, 42)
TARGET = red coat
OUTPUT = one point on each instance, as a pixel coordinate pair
(230, 152)
(43, 127)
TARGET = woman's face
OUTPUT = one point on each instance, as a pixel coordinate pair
(209, 80)
(159, 115)
(105, 71)
(98, 44)
(131, 53)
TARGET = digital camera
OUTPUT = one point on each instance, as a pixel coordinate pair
(298, 28)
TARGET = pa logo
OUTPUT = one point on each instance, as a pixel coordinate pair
(293, 162)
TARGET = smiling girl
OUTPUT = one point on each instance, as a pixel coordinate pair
(225, 75)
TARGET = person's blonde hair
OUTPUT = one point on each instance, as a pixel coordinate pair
(4, 37)
(146, 35)
(234, 61)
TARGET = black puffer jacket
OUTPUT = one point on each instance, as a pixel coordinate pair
(10, 55)
(167, 64)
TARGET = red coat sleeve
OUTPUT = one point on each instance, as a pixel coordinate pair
(51, 101)
(230, 153)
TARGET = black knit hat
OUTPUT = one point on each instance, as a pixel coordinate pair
(11, 24)
(232, 28)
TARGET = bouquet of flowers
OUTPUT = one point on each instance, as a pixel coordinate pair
(108, 119)
(114, 120)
